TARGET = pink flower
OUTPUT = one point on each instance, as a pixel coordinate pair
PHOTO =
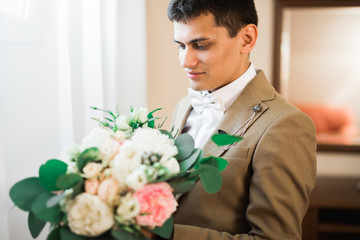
(157, 203)
(91, 186)
(108, 190)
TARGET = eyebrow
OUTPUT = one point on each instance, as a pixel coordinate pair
(194, 40)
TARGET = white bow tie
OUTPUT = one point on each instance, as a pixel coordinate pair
(200, 101)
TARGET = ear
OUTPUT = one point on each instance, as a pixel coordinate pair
(249, 34)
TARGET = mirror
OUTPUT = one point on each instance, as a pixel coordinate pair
(317, 66)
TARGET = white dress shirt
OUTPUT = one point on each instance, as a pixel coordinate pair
(201, 125)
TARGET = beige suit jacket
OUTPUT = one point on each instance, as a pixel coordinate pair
(268, 180)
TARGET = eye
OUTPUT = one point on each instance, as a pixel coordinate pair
(201, 47)
(181, 46)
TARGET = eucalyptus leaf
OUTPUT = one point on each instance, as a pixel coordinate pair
(182, 186)
(166, 229)
(42, 212)
(217, 162)
(68, 180)
(89, 155)
(191, 160)
(54, 200)
(54, 234)
(67, 234)
(225, 139)
(24, 192)
(49, 172)
(210, 178)
(185, 145)
(35, 225)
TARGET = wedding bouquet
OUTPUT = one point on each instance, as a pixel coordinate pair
(122, 179)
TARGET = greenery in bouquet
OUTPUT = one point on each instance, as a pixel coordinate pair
(122, 179)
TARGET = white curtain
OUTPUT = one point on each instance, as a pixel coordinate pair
(64, 57)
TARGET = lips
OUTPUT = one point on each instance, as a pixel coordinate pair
(194, 75)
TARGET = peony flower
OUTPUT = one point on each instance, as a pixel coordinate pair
(128, 208)
(172, 164)
(108, 190)
(96, 138)
(110, 148)
(140, 115)
(128, 159)
(152, 140)
(89, 216)
(157, 203)
(92, 169)
(91, 186)
(137, 179)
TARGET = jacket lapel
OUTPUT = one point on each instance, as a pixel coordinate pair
(258, 91)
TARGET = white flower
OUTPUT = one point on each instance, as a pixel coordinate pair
(73, 151)
(172, 164)
(122, 122)
(96, 138)
(128, 208)
(110, 148)
(140, 115)
(137, 179)
(89, 216)
(126, 161)
(152, 140)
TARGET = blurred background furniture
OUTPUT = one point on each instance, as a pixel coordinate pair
(334, 211)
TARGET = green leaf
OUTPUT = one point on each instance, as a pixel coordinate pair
(89, 155)
(54, 200)
(225, 139)
(191, 160)
(167, 133)
(166, 229)
(210, 178)
(24, 192)
(49, 172)
(35, 225)
(185, 145)
(67, 234)
(54, 234)
(68, 180)
(182, 186)
(42, 212)
(123, 235)
(151, 122)
(217, 162)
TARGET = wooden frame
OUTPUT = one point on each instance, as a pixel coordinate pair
(280, 5)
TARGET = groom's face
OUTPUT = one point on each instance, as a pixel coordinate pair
(209, 56)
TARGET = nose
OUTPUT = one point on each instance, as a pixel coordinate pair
(188, 58)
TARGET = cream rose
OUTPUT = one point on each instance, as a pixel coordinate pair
(89, 216)
(92, 169)
(109, 190)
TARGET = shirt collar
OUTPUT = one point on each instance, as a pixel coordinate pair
(228, 93)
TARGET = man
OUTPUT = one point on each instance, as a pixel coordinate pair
(271, 172)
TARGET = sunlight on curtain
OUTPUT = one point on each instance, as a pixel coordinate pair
(64, 76)
(16, 8)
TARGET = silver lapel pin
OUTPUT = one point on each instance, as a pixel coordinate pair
(256, 109)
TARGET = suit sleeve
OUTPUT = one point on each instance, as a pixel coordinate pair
(284, 173)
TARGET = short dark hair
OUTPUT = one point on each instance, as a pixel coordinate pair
(232, 14)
